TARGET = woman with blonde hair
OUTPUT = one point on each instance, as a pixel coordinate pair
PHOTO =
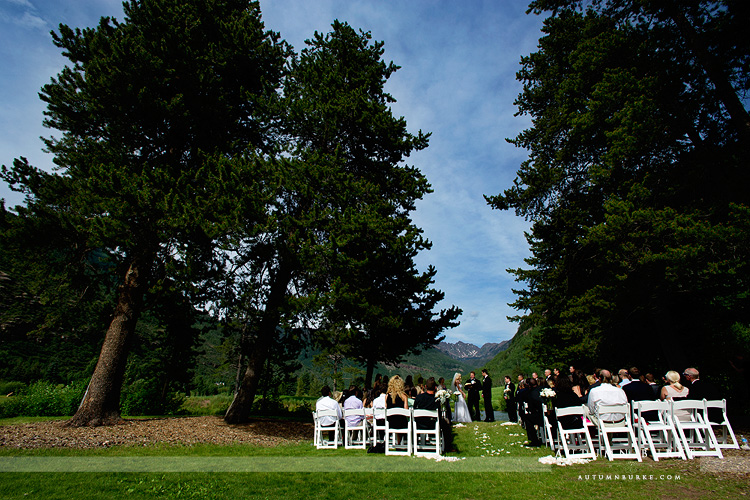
(396, 398)
(462, 409)
(675, 391)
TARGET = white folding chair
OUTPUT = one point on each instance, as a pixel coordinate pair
(696, 433)
(315, 422)
(323, 440)
(394, 446)
(658, 434)
(378, 426)
(355, 436)
(547, 437)
(427, 440)
(575, 442)
(611, 433)
(724, 426)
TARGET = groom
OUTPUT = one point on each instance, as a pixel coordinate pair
(472, 387)
(489, 412)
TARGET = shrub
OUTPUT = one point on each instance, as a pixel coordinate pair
(144, 397)
(12, 387)
(43, 399)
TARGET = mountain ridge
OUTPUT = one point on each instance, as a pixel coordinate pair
(471, 353)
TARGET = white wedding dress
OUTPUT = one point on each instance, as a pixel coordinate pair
(462, 409)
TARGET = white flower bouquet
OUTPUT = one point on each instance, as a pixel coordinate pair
(548, 393)
(442, 395)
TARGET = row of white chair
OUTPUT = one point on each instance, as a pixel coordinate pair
(375, 428)
(663, 433)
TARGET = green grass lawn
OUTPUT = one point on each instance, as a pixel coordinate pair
(496, 465)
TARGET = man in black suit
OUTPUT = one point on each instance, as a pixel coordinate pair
(702, 389)
(533, 398)
(472, 386)
(636, 390)
(489, 412)
(509, 394)
(427, 401)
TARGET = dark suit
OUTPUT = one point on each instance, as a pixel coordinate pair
(472, 386)
(701, 389)
(510, 401)
(489, 412)
(427, 401)
(534, 416)
(640, 391)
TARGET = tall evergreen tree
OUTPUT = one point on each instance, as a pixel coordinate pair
(635, 183)
(155, 113)
(343, 201)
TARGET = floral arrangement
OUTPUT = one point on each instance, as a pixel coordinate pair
(442, 395)
(548, 393)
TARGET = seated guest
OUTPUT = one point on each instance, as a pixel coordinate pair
(675, 391)
(326, 402)
(427, 401)
(701, 389)
(639, 391)
(396, 398)
(651, 381)
(607, 393)
(353, 402)
(580, 385)
(565, 397)
(624, 377)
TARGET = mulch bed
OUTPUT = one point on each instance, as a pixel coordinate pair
(175, 431)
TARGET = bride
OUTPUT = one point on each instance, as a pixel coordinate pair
(462, 409)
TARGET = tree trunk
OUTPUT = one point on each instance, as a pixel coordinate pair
(239, 411)
(369, 373)
(101, 403)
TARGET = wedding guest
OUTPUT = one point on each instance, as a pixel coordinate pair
(326, 402)
(702, 389)
(580, 385)
(608, 393)
(353, 402)
(675, 391)
(639, 391)
(533, 414)
(651, 381)
(624, 377)
(397, 398)
(427, 401)
(565, 397)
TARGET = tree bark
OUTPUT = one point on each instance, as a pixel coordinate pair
(101, 403)
(239, 411)
(369, 373)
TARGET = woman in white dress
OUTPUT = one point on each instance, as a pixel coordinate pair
(462, 409)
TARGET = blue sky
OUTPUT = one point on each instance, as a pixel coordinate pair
(457, 80)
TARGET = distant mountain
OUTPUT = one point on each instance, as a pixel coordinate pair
(471, 354)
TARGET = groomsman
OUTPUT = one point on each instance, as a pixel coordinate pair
(489, 412)
(472, 386)
(509, 393)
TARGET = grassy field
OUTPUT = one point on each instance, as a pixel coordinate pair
(494, 465)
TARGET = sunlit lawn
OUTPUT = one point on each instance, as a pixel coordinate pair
(492, 467)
